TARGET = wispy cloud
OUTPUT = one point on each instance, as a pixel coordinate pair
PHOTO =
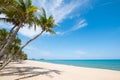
(25, 31)
(2, 15)
(59, 8)
(6, 25)
(29, 32)
(82, 23)
(109, 3)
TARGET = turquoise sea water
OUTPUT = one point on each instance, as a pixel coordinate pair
(103, 64)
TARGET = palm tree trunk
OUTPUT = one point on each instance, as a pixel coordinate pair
(8, 37)
(12, 29)
(31, 40)
(28, 42)
(4, 64)
(21, 49)
(9, 41)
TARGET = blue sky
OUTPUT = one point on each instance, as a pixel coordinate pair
(87, 29)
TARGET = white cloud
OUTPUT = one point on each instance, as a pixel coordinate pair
(59, 33)
(29, 32)
(2, 16)
(59, 8)
(82, 23)
(25, 31)
(5, 25)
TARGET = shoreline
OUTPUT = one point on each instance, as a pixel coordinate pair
(78, 65)
(35, 70)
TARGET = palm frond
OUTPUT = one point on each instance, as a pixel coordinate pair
(44, 13)
(6, 20)
(22, 5)
(29, 3)
(51, 31)
(31, 9)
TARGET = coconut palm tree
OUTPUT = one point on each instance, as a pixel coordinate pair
(47, 24)
(12, 49)
(19, 13)
(21, 56)
(3, 34)
(5, 3)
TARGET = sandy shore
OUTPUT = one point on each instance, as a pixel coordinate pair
(33, 70)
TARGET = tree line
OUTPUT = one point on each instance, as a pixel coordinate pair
(13, 47)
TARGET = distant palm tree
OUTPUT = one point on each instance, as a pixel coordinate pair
(12, 47)
(3, 35)
(47, 24)
(19, 13)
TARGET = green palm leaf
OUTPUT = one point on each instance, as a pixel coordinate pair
(47, 24)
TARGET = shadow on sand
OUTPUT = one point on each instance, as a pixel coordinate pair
(28, 72)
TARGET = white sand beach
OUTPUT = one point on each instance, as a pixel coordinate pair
(33, 70)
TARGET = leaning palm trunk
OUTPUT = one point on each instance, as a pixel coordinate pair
(9, 60)
(8, 37)
(9, 41)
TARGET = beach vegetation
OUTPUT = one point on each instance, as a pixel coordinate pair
(13, 47)
(21, 13)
